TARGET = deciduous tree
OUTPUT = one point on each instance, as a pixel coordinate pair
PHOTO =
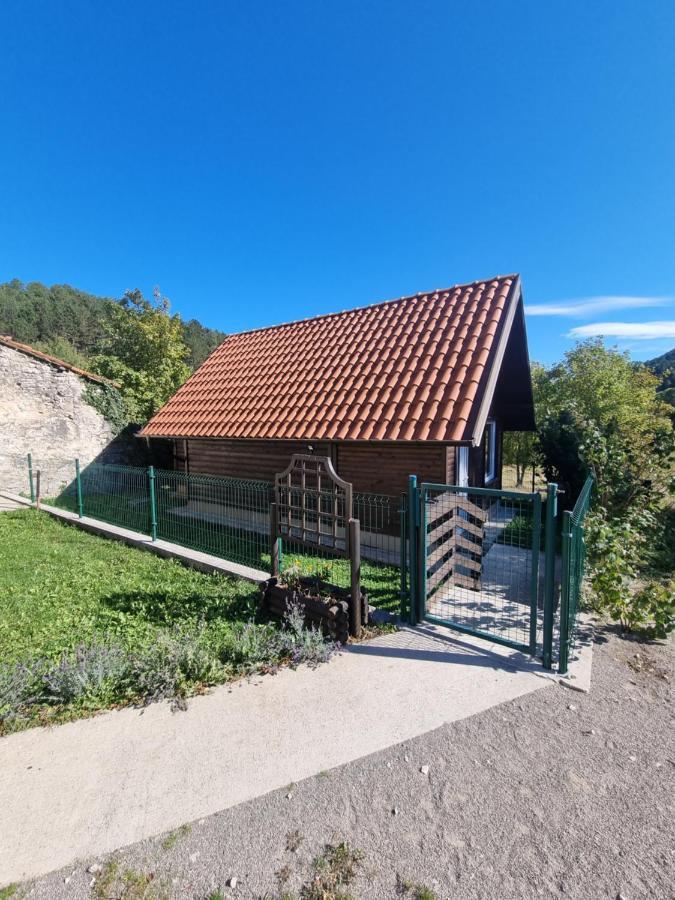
(144, 352)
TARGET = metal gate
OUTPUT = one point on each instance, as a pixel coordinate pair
(479, 566)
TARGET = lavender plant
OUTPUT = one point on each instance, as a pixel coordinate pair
(172, 667)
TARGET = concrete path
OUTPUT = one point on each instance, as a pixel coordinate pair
(89, 787)
(553, 796)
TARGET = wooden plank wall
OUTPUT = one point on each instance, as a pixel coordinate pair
(450, 464)
(372, 468)
(384, 468)
(245, 459)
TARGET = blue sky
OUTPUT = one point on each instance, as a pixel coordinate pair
(268, 161)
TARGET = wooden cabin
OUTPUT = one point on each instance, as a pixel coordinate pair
(423, 385)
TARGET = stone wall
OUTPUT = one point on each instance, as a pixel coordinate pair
(42, 410)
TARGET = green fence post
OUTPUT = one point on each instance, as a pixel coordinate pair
(549, 572)
(565, 586)
(78, 484)
(403, 556)
(31, 485)
(413, 606)
(534, 584)
(153, 504)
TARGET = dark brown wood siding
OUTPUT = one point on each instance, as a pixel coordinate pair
(384, 468)
(371, 468)
(245, 459)
(450, 464)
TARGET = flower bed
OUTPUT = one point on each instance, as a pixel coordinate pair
(324, 606)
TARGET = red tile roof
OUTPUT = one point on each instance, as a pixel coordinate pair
(412, 369)
(8, 341)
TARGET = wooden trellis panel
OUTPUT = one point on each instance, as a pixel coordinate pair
(313, 507)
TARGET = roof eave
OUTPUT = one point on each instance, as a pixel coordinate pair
(515, 297)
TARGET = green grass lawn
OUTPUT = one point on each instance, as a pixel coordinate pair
(61, 587)
(87, 623)
(250, 548)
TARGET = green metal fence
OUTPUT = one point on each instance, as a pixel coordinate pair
(383, 552)
(230, 518)
(119, 495)
(227, 517)
(573, 559)
(512, 599)
(479, 563)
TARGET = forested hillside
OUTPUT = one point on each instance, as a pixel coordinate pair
(73, 325)
(664, 367)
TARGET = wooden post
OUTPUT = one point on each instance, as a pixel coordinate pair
(355, 560)
(37, 489)
(274, 539)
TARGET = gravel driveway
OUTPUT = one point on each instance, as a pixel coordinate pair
(558, 794)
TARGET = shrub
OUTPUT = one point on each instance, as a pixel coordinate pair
(249, 645)
(652, 608)
(303, 645)
(175, 664)
(618, 549)
(175, 661)
(20, 685)
(94, 671)
(598, 413)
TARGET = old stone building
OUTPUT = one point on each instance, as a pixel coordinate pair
(44, 409)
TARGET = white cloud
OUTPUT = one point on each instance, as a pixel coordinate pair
(637, 331)
(589, 306)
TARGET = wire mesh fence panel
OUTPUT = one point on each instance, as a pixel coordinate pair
(227, 517)
(115, 494)
(573, 564)
(481, 562)
(383, 552)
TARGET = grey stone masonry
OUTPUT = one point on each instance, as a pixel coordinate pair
(42, 410)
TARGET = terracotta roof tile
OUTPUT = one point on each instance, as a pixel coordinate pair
(407, 369)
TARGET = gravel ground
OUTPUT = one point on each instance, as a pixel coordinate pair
(556, 794)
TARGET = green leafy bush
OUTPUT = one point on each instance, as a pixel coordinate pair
(650, 609)
(654, 606)
(107, 400)
(600, 414)
(618, 551)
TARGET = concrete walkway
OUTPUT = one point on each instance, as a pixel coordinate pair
(6, 504)
(92, 786)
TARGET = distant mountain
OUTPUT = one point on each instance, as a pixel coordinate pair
(70, 323)
(664, 366)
